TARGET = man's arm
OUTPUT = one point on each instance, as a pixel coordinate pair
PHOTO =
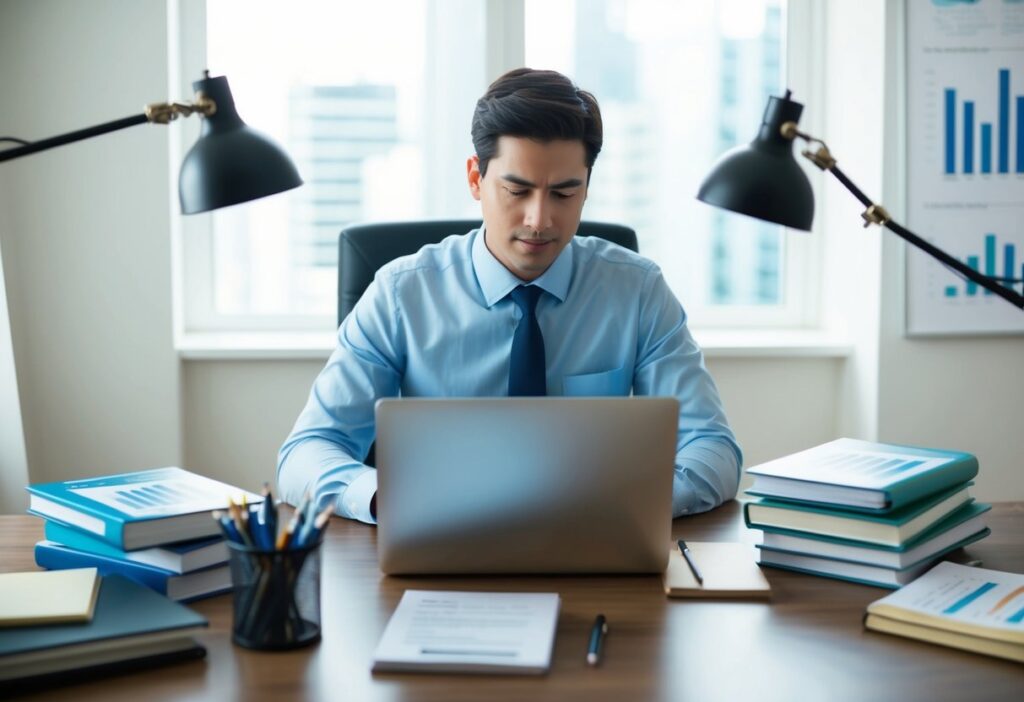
(324, 452)
(669, 363)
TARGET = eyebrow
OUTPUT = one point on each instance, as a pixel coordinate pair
(571, 183)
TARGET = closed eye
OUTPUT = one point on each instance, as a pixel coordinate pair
(515, 193)
(561, 195)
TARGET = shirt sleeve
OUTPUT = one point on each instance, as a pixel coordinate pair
(670, 364)
(325, 451)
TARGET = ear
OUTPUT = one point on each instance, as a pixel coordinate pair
(473, 175)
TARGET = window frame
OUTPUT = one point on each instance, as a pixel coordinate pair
(193, 236)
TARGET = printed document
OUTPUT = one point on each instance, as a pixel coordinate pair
(475, 632)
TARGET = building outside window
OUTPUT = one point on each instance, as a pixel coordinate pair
(376, 114)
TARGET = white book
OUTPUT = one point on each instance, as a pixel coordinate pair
(469, 632)
(844, 570)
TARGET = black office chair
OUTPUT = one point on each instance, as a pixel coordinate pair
(363, 248)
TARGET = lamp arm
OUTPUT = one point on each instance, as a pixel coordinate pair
(159, 113)
(876, 214)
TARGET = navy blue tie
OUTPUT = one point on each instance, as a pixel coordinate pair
(526, 374)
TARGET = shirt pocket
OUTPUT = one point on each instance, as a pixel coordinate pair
(606, 383)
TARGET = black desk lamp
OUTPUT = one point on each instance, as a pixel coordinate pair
(763, 180)
(231, 163)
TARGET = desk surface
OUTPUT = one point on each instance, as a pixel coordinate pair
(807, 643)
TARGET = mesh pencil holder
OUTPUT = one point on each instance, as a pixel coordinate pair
(276, 597)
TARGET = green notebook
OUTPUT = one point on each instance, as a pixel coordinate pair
(962, 526)
(891, 529)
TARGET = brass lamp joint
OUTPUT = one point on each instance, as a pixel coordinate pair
(875, 214)
(167, 112)
(822, 158)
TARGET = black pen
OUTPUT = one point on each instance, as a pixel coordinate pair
(597, 635)
(689, 561)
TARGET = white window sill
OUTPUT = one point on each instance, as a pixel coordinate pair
(231, 346)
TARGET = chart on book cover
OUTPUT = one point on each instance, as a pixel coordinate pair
(973, 595)
(965, 162)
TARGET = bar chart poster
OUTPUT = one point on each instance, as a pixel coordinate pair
(965, 162)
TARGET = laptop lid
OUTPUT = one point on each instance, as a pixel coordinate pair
(525, 485)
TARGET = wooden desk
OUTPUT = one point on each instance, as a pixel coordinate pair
(806, 644)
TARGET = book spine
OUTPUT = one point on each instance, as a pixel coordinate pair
(746, 516)
(80, 540)
(54, 557)
(113, 531)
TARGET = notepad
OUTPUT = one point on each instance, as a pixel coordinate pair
(48, 596)
(729, 570)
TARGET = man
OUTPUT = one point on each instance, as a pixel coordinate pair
(518, 307)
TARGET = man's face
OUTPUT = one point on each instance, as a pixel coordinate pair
(532, 200)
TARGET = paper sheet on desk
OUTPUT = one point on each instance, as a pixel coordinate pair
(469, 632)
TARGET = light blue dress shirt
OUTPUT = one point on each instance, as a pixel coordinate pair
(439, 323)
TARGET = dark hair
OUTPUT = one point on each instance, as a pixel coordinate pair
(541, 105)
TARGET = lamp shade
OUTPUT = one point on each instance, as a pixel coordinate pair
(231, 162)
(763, 179)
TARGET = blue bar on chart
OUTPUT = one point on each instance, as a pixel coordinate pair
(990, 266)
(951, 131)
(1004, 120)
(1020, 134)
(986, 147)
(990, 257)
(968, 598)
(992, 133)
(972, 287)
(968, 136)
(1009, 263)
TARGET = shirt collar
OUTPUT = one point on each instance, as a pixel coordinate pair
(497, 282)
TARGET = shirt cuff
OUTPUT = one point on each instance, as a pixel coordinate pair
(354, 501)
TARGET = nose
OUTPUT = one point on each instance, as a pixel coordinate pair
(538, 212)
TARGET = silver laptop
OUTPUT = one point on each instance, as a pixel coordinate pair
(525, 485)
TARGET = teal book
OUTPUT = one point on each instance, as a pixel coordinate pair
(860, 573)
(890, 529)
(182, 557)
(862, 475)
(137, 510)
(963, 526)
(131, 625)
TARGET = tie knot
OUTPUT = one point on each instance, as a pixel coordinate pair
(525, 297)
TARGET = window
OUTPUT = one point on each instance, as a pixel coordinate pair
(679, 83)
(376, 113)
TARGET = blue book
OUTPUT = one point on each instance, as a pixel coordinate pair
(182, 557)
(182, 588)
(137, 510)
(131, 625)
(862, 475)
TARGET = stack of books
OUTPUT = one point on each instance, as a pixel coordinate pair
(873, 513)
(114, 625)
(154, 527)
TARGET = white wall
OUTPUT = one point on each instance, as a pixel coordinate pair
(85, 237)
(13, 460)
